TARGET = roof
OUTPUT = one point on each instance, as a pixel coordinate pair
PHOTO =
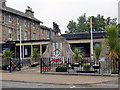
(45, 27)
(85, 35)
(28, 41)
(17, 12)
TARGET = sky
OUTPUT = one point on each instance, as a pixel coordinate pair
(62, 11)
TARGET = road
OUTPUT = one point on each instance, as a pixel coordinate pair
(20, 84)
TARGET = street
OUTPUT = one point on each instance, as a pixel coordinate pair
(20, 84)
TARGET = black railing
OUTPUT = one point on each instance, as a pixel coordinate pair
(70, 65)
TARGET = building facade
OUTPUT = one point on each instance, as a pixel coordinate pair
(12, 19)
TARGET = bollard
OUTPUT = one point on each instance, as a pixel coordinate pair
(10, 65)
(40, 65)
(99, 67)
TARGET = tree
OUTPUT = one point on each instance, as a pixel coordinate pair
(72, 27)
(97, 50)
(82, 24)
(77, 54)
(36, 55)
(112, 41)
(7, 54)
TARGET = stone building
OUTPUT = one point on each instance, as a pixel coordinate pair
(12, 19)
(33, 32)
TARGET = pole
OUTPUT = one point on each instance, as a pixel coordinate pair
(20, 50)
(91, 42)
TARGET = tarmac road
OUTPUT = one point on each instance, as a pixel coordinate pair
(20, 84)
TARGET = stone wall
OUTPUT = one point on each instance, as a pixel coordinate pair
(58, 48)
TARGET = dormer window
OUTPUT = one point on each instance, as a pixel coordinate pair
(10, 18)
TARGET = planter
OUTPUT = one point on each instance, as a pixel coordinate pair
(86, 71)
(96, 67)
(34, 64)
(61, 69)
(5, 67)
(86, 68)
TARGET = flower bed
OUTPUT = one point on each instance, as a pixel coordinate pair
(61, 68)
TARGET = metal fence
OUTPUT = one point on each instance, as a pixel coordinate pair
(70, 65)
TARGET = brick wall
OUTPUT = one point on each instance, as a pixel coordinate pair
(29, 28)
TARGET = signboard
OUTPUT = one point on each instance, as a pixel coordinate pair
(101, 59)
(5, 48)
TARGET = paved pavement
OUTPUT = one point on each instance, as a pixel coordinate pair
(33, 75)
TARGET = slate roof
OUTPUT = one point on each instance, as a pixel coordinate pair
(17, 12)
(85, 35)
(45, 27)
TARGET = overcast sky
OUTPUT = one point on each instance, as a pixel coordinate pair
(61, 11)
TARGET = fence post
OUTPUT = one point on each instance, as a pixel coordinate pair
(10, 65)
(99, 67)
(40, 65)
(19, 64)
(68, 65)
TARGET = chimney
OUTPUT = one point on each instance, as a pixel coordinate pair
(2, 3)
(29, 12)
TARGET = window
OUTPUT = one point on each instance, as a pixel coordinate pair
(10, 18)
(10, 33)
(42, 32)
(25, 22)
(33, 25)
(18, 21)
(48, 33)
(18, 34)
(3, 18)
(34, 36)
(25, 35)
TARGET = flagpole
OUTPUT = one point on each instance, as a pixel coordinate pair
(92, 58)
(20, 48)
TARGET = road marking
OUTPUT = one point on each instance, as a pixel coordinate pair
(72, 87)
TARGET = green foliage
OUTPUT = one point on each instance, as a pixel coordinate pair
(117, 49)
(112, 36)
(77, 54)
(82, 24)
(7, 54)
(97, 49)
(62, 66)
(36, 55)
(71, 26)
(112, 41)
(86, 64)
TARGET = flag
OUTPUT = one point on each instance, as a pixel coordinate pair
(90, 23)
